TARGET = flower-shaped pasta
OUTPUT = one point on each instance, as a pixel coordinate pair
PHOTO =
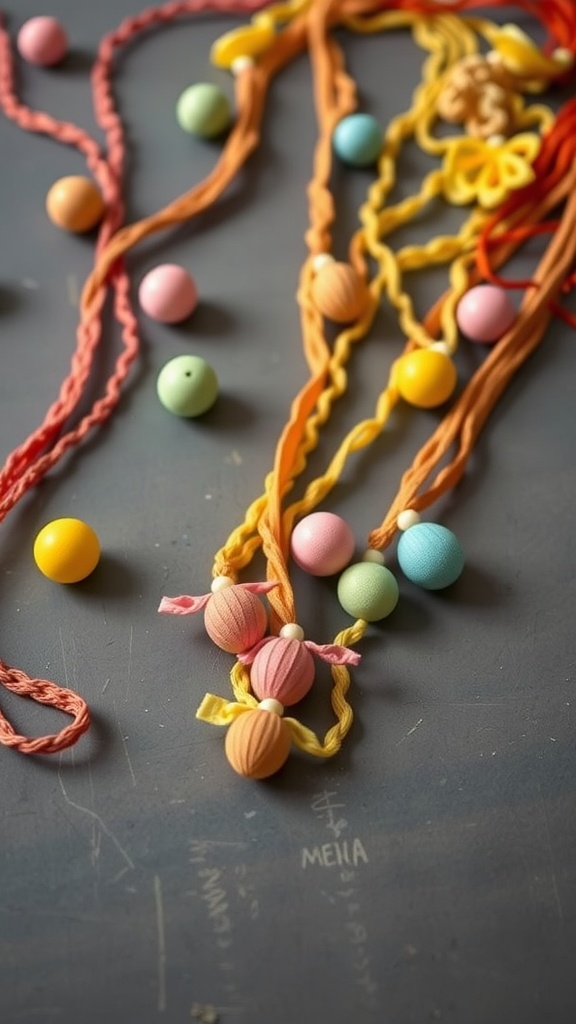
(475, 170)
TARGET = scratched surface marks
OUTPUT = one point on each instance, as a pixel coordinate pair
(427, 875)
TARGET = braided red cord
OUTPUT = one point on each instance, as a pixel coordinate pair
(29, 462)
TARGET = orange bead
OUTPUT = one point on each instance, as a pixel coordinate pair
(74, 204)
(258, 744)
(235, 619)
(339, 292)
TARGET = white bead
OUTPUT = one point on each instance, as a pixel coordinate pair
(242, 63)
(441, 346)
(409, 517)
(373, 555)
(220, 582)
(496, 140)
(272, 705)
(292, 631)
(320, 260)
(562, 55)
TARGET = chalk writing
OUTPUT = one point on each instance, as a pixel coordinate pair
(346, 857)
(331, 855)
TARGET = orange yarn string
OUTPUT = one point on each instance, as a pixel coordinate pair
(483, 391)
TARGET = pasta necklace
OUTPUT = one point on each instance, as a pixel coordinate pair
(513, 167)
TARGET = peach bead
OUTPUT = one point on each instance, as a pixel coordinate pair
(258, 743)
(339, 292)
(322, 543)
(42, 41)
(235, 619)
(74, 204)
(282, 669)
(485, 313)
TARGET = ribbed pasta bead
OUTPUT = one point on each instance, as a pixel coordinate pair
(368, 591)
(283, 669)
(430, 555)
(425, 377)
(235, 619)
(339, 292)
(257, 743)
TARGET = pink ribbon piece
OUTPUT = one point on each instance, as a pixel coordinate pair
(188, 605)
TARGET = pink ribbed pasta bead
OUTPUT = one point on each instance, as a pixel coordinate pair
(284, 669)
(257, 744)
(235, 619)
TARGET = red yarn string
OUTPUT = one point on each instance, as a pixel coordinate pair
(552, 164)
(28, 463)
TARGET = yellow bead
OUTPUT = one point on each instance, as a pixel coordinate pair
(66, 550)
(425, 378)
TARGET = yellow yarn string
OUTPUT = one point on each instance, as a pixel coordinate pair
(447, 39)
(445, 50)
(218, 711)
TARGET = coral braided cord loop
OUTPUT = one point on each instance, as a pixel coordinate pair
(43, 692)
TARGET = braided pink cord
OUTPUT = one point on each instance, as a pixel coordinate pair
(29, 462)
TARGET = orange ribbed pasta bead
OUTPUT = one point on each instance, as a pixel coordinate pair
(235, 619)
(258, 744)
(339, 292)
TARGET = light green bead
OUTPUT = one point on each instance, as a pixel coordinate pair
(187, 386)
(368, 591)
(203, 110)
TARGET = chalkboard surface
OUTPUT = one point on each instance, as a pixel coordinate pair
(428, 872)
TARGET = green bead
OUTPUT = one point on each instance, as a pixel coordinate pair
(187, 386)
(203, 110)
(368, 591)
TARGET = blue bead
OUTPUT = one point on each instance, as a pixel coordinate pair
(430, 555)
(357, 140)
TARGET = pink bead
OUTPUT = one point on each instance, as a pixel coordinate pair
(167, 293)
(283, 669)
(485, 313)
(235, 619)
(322, 544)
(42, 41)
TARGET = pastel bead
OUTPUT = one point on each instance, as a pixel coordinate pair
(485, 313)
(66, 550)
(187, 386)
(282, 669)
(203, 109)
(258, 743)
(322, 543)
(235, 619)
(339, 292)
(43, 41)
(368, 591)
(430, 555)
(357, 140)
(75, 204)
(167, 293)
(425, 378)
